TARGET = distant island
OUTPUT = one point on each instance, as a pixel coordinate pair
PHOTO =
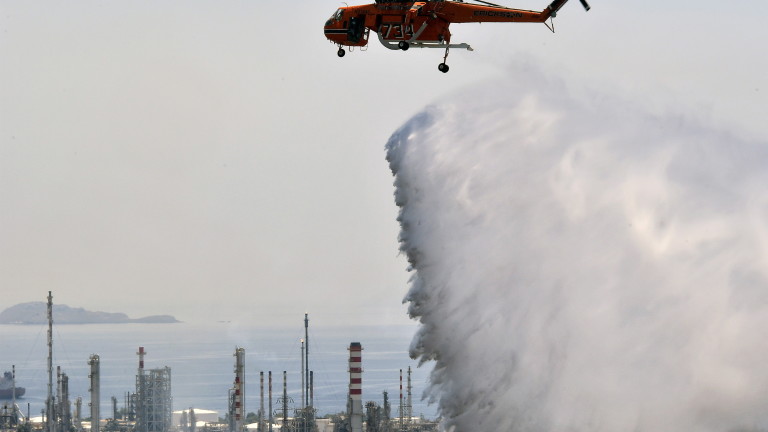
(36, 313)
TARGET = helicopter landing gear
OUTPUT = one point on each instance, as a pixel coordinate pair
(341, 52)
(443, 67)
(403, 45)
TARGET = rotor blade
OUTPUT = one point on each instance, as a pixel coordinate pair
(491, 4)
(585, 4)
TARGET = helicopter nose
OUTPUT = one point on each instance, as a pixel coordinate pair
(334, 33)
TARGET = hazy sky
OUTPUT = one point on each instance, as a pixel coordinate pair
(217, 160)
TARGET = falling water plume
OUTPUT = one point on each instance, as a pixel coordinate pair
(580, 264)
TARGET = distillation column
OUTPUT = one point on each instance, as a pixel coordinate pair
(78, 413)
(64, 411)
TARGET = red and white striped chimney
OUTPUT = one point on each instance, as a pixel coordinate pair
(356, 386)
(141, 354)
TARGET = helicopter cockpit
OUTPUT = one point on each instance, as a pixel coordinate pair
(335, 17)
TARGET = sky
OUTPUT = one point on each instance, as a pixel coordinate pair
(218, 161)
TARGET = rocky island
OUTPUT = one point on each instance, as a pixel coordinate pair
(35, 313)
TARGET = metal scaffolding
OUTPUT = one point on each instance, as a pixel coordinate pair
(154, 404)
(157, 400)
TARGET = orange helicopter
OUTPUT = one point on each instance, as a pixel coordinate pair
(422, 24)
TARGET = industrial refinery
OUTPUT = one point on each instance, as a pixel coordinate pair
(149, 406)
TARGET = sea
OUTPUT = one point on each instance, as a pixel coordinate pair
(202, 363)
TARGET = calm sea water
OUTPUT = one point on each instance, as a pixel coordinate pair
(201, 358)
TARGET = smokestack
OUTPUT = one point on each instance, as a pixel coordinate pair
(50, 425)
(356, 387)
(261, 401)
(141, 354)
(270, 401)
(239, 388)
(141, 412)
(95, 396)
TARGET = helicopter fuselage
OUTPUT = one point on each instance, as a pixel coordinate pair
(423, 24)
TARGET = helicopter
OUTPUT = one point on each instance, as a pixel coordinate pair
(402, 24)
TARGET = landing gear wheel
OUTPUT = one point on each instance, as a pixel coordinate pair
(403, 45)
(443, 67)
(341, 52)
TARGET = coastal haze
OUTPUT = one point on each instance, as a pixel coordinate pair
(215, 161)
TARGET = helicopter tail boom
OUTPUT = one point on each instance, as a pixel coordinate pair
(459, 12)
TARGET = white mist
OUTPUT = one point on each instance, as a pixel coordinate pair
(580, 265)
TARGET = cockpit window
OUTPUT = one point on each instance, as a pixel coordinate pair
(337, 16)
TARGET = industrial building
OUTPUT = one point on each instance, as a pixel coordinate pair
(154, 403)
(150, 408)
